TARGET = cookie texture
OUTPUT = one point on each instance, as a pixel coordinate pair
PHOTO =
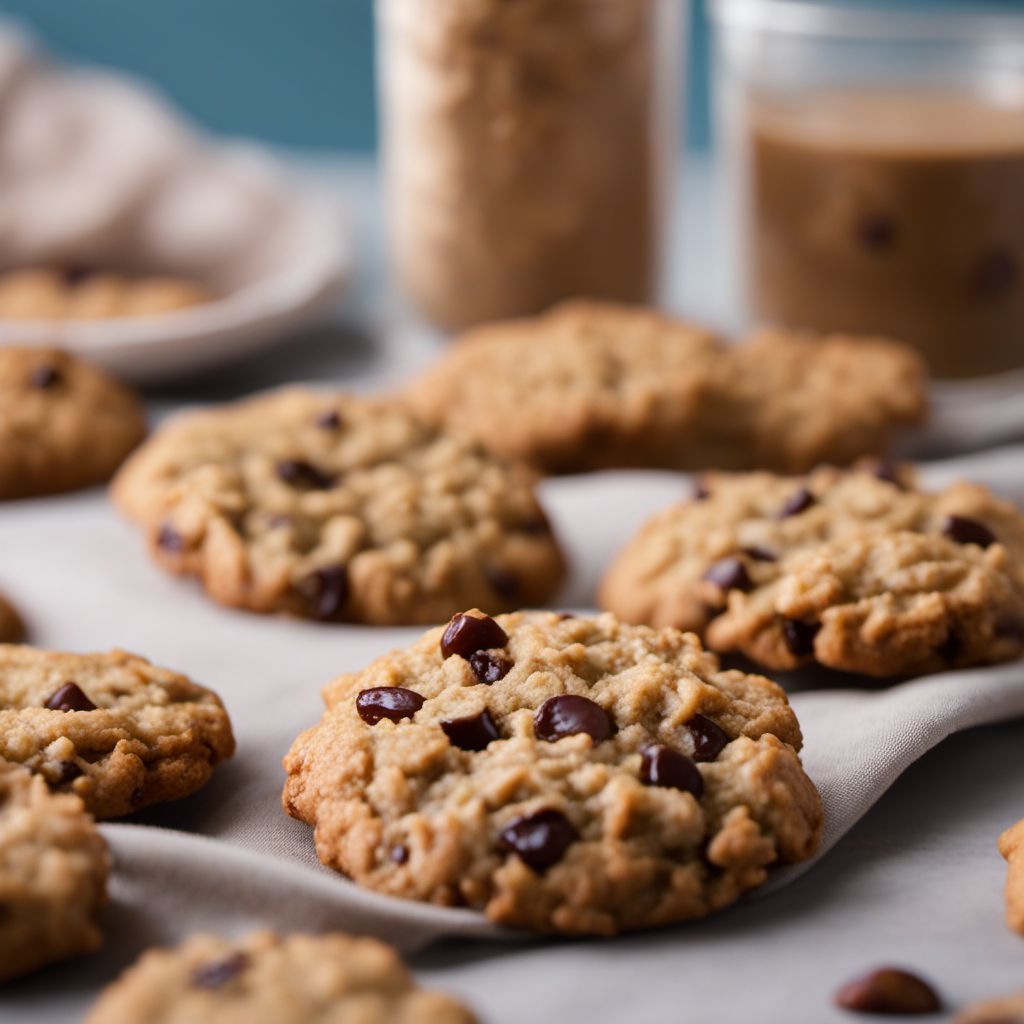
(12, 628)
(594, 386)
(857, 570)
(51, 294)
(562, 774)
(264, 979)
(1011, 846)
(53, 874)
(63, 423)
(111, 728)
(341, 509)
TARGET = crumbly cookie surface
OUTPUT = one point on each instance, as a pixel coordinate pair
(856, 569)
(111, 728)
(63, 423)
(12, 628)
(264, 979)
(49, 294)
(339, 508)
(53, 874)
(562, 774)
(592, 386)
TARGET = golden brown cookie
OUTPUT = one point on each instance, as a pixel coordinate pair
(53, 874)
(856, 570)
(111, 728)
(64, 424)
(1011, 846)
(339, 508)
(594, 386)
(562, 774)
(263, 979)
(1007, 1010)
(47, 294)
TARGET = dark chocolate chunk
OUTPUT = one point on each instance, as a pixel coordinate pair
(799, 636)
(168, 539)
(70, 697)
(729, 574)
(218, 973)
(489, 668)
(303, 475)
(473, 732)
(467, 634)
(663, 766)
(325, 591)
(569, 715)
(391, 702)
(45, 376)
(796, 503)
(889, 990)
(709, 739)
(968, 531)
(539, 839)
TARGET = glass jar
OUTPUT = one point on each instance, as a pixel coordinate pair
(874, 162)
(528, 148)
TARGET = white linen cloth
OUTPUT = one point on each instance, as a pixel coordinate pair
(229, 859)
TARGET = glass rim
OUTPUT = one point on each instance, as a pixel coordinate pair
(817, 18)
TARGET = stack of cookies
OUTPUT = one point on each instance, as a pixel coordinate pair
(564, 774)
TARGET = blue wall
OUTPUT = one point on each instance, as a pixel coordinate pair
(298, 72)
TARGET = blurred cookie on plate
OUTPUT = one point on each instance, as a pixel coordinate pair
(64, 423)
(339, 508)
(598, 386)
(856, 570)
(50, 294)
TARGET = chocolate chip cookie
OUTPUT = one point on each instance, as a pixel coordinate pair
(856, 570)
(111, 728)
(63, 423)
(12, 628)
(50, 294)
(264, 979)
(562, 774)
(53, 874)
(339, 508)
(594, 386)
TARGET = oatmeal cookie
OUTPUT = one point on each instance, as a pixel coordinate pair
(53, 874)
(264, 979)
(64, 424)
(111, 728)
(562, 774)
(597, 386)
(857, 570)
(49, 294)
(1007, 1010)
(341, 509)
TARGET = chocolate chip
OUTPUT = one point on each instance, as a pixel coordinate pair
(398, 854)
(888, 990)
(796, 503)
(876, 231)
(663, 766)
(968, 531)
(799, 636)
(68, 772)
(218, 973)
(569, 715)
(729, 574)
(325, 591)
(709, 739)
(759, 554)
(70, 698)
(168, 539)
(888, 472)
(45, 376)
(474, 732)
(467, 634)
(701, 491)
(303, 475)
(995, 274)
(539, 839)
(505, 583)
(329, 419)
(391, 702)
(489, 668)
